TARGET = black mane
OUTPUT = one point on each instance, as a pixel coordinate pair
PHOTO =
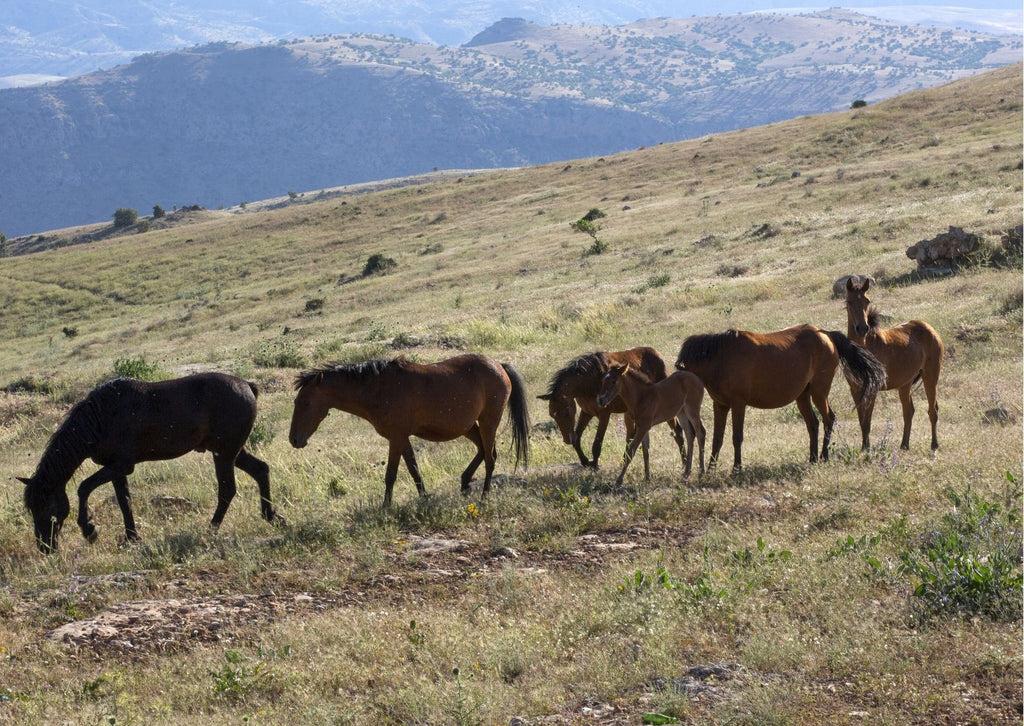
(71, 443)
(705, 347)
(579, 366)
(358, 371)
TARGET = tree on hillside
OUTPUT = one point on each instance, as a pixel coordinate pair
(125, 217)
(3, 244)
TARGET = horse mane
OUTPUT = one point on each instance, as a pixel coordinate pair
(875, 317)
(704, 347)
(70, 444)
(358, 371)
(578, 366)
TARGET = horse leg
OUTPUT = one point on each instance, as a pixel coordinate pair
(88, 485)
(124, 501)
(803, 403)
(721, 413)
(684, 438)
(828, 418)
(409, 456)
(577, 439)
(865, 409)
(907, 401)
(698, 428)
(596, 446)
(395, 450)
(739, 413)
(258, 470)
(627, 457)
(467, 476)
(225, 468)
(487, 429)
(930, 390)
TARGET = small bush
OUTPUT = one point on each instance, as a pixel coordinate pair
(158, 212)
(859, 103)
(278, 353)
(125, 217)
(378, 264)
(970, 563)
(138, 368)
(314, 305)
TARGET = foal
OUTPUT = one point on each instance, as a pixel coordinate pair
(649, 404)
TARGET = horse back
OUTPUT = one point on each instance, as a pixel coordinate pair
(146, 421)
(907, 351)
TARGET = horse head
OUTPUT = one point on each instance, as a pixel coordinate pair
(610, 384)
(858, 307)
(562, 408)
(311, 407)
(49, 509)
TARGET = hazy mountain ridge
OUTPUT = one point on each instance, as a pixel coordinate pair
(227, 123)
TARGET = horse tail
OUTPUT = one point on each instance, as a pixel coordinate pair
(254, 388)
(859, 365)
(518, 415)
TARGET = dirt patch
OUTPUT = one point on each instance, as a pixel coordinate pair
(135, 628)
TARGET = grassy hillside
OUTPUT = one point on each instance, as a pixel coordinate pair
(781, 595)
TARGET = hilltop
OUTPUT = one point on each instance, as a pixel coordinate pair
(225, 124)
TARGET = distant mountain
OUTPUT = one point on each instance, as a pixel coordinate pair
(222, 124)
(49, 38)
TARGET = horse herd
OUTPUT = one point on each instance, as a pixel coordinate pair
(124, 422)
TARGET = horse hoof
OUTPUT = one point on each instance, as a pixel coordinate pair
(90, 534)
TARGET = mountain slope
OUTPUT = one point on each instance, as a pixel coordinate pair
(224, 124)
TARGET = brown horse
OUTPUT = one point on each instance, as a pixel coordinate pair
(911, 352)
(461, 396)
(770, 370)
(125, 421)
(649, 403)
(578, 383)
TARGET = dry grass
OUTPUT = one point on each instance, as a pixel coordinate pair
(568, 601)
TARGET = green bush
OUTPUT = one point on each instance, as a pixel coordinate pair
(970, 563)
(125, 217)
(138, 368)
(278, 353)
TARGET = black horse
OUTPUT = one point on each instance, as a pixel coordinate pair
(125, 421)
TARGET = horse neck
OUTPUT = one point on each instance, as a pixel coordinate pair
(65, 452)
(631, 387)
(353, 396)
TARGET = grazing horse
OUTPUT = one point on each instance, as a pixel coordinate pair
(911, 352)
(124, 422)
(648, 403)
(461, 396)
(769, 370)
(578, 383)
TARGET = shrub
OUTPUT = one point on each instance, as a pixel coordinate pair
(138, 368)
(125, 217)
(378, 264)
(970, 563)
(278, 353)
(859, 103)
(314, 305)
(158, 211)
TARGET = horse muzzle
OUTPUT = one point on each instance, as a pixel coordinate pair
(298, 441)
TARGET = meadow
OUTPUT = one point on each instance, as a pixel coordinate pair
(880, 587)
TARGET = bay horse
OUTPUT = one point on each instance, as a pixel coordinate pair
(677, 397)
(911, 352)
(578, 383)
(740, 368)
(461, 396)
(124, 422)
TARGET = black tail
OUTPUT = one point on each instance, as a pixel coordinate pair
(254, 388)
(518, 416)
(859, 366)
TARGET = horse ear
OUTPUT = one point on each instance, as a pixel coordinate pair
(866, 284)
(849, 284)
(23, 480)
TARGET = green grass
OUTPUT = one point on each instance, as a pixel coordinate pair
(790, 593)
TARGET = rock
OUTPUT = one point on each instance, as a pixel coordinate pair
(945, 251)
(839, 286)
